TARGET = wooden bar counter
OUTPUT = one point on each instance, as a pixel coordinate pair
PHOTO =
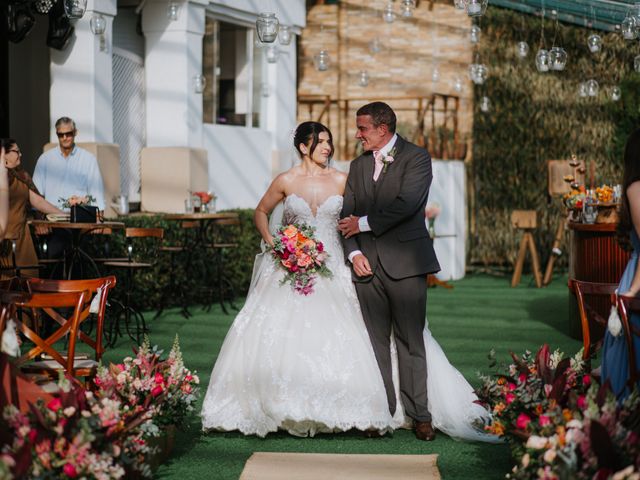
(594, 256)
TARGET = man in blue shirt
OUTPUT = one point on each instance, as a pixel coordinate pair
(68, 170)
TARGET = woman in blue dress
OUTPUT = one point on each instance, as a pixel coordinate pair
(615, 354)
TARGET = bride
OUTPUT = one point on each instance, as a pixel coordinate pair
(305, 363)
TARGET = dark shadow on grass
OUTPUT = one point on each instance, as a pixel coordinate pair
(552, 310)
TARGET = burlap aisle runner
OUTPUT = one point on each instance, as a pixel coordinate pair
(326, 466)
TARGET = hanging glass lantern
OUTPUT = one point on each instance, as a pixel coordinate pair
(272, 54)
(284, 35)
(435, 75)
(592, 88)
(407, 8)
(457, 84)
(636, 63)
(199, 82)
(267, 27)
(322, 61)
(363, 79)
(474, 34)
(75, 8)
(542, 60)
(582, 90)
(460, 4)
(476, 8)
(557, 58)
(173, 11)
(629, 27)
(388, 15)
(478, 72)
(615, 93)
(485, 104)
(523, 49)
(594, 42)
(375, 46)
(97, 24)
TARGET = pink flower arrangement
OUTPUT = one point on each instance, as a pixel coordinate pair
(301, 255)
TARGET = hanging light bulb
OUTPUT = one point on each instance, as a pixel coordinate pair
(592, 88)
(322, 61)
(375, 46)
(542, 60)
(407, 8)
(457, 84)
(387, 14)
(476, 8)
(582, 90)
(199, 83)
(594, 42)
(478, 73)
(173, 11)
(485, 104)
(615, 93)
(75, 8)
(363, 78)
(474, 34)
(98, 26)
(267, 27)
(629, 26)
(459, 4)
(523, 49)
(284, 35)
(557, 58)
(272, 54)
(435, 75)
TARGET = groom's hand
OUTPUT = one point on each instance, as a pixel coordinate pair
(361, 266)
(349, 226)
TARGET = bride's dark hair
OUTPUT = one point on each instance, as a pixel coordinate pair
(310, 132)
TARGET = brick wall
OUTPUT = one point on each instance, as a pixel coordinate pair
(410, 49)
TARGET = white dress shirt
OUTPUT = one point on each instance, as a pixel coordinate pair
(59, 177)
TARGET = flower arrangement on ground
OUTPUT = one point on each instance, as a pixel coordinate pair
(75, 435)
(559, 422)
(75, 200)
(301, 255)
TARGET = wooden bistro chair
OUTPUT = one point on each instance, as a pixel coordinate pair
(54, 306)
(221, 247)
(98, 288)
(627, 306)
(130, 266)
(593, 323)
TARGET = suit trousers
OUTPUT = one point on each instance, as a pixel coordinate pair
(401, 304)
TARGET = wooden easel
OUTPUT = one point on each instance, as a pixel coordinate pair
(557, 170)
(526, 220)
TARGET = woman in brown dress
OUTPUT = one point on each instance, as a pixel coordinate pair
(23, 194)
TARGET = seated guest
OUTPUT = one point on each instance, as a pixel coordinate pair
(68, 170)
(22, 194)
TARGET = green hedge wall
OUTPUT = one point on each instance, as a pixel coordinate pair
(537, 117)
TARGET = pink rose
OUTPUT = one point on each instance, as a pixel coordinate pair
(582, 402)
(157, 390)
(544, 420)
(54, 405)
(159, 379)
(522, 421)
(69, 470)
(33, 434)
(120, 366)
(512, 386)
(319, 247)
(522, 378)
(509, 398)
(586, 380)
(304, 260)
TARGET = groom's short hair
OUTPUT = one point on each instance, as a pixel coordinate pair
(380, 113)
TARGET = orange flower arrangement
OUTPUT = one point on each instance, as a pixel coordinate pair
(604, 194)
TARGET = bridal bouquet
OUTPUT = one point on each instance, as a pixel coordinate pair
(301, 255)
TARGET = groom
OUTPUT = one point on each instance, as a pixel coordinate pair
(386, 241)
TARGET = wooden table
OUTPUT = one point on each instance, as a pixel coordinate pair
(202, 240)
(76, 254)
(594, 256)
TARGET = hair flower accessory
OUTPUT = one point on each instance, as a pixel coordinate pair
(388, 158)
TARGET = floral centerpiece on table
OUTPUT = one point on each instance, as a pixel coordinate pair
(75, 435)
(147, 382)
(75, 200)
(431, 212)
(574, 199)
(604, 194)
(205, 197)
(301, 255)
(559, 422)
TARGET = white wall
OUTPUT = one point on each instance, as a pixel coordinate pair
(239, 164)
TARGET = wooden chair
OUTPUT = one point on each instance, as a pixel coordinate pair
(220, 248)
(593, 324)
(51, 305)
(128, 310)
(627, 306)
(526, 220)
(93, 286)
(12, 269)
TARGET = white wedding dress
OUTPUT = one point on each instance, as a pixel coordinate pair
(305, 363)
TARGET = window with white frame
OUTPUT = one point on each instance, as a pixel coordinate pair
(232, 66)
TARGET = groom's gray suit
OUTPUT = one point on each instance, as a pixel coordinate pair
(401, 254)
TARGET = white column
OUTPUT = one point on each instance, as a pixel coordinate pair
(173, 57)
(81, 78)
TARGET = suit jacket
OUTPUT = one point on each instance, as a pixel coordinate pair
(394, 205)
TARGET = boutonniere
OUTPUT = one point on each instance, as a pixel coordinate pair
(389, 157)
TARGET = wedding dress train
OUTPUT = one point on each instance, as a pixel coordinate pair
(305, 363)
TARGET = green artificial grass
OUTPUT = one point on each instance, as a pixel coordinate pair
(481, 313)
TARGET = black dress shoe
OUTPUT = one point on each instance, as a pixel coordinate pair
(424, 431)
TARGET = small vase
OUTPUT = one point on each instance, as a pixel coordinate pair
(432, 227)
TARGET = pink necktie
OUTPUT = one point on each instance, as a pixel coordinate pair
(377, 156)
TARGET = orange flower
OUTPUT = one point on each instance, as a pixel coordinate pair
(539, 409)
(566, 413)
(561, 436)
(291, 231)
(499, 408)
(497, 428)
(501, 381)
